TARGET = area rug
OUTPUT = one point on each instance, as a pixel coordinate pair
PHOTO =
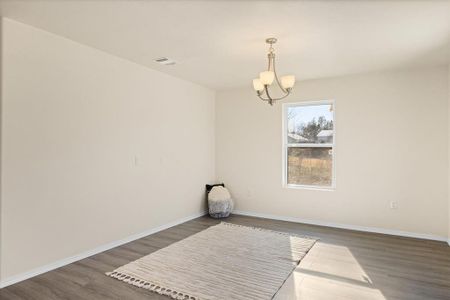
(225, 261)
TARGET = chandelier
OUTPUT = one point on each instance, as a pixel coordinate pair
(266, 78)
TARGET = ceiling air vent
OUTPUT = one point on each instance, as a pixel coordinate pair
(165, 61)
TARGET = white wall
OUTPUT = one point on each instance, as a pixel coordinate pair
(392, 144)
(73, 120)
(1, 97)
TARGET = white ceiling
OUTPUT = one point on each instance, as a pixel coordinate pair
(220, 44)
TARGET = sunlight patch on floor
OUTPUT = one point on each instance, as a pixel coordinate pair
(329, 272)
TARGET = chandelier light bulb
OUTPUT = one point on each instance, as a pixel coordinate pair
(267, 77)
(288, 81)
(257, 85)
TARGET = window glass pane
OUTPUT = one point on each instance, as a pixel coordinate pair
(310, 124)
(310, 166)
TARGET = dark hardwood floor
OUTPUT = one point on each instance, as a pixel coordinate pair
(344, 264)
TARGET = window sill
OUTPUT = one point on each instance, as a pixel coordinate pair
(309, 187)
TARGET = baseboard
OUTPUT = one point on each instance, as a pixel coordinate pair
(345, 226)
(57, 264)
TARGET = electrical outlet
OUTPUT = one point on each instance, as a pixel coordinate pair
(394, 205)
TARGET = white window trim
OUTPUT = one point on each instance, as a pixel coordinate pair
(284, 146)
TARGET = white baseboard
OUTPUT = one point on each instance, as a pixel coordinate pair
(57, 264)
(345, 226)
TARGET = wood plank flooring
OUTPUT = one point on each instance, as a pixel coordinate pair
(344, 264)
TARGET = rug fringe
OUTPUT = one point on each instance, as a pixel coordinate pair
(156, 288)
(273, 231)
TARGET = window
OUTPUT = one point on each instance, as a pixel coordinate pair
(308, 149)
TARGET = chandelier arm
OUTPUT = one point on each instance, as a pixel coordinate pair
(271, 101)
(263, 99)
(260, 95)
(278, 81)
(287, 94)
(266, 88)
(274, 99)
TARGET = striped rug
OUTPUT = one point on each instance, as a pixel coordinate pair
(225, 261)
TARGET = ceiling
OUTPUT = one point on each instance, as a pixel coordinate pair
(220, 44)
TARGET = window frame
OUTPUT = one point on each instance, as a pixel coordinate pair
(285, 145)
